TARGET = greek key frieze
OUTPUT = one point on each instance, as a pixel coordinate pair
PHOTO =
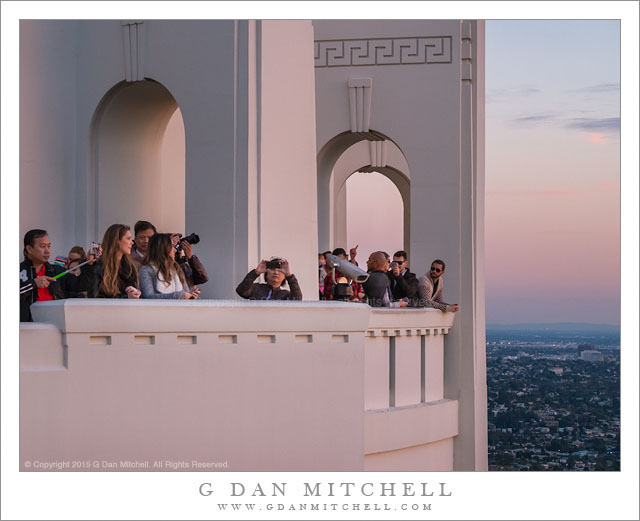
(387, 51)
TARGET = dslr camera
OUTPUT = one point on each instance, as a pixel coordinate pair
(191, 239)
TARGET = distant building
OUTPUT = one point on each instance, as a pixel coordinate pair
(585, 347)
(592, 356)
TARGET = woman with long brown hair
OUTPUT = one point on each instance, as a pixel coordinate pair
(160, 275)
(114, 275)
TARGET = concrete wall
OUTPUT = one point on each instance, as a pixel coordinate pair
(250, 181)
(424, 91)
(261, 385)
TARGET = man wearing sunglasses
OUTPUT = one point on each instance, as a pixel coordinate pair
(402, 282)
(430, 288)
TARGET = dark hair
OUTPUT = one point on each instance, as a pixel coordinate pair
(161, 261)
(339, 251)
(80, 251)
(141, 226)
(31, 236)
(325, 253)
(438, 261)
(401, 253)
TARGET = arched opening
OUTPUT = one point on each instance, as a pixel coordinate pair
(375, 214)
(138, 158)
(338, 160)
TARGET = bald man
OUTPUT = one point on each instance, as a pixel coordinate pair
(376, 288)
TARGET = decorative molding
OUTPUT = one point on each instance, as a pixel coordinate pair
(418, 50)
(465, 52)
(133, 39)
(360, 103)
(378, 153)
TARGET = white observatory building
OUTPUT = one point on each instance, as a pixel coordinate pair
(245, 132)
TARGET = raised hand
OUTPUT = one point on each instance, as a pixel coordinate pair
(284, 267)
(262, 267)
(188, 249)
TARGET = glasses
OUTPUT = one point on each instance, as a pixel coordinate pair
(437, 270)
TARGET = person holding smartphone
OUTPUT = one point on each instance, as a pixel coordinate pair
(160, 274)
(275, 271)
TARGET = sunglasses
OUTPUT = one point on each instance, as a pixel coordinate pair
(437, 270)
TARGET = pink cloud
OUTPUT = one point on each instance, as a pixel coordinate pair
(596, 138)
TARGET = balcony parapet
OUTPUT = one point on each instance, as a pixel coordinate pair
(263, 385)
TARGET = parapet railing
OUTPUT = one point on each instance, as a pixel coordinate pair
(262, 385)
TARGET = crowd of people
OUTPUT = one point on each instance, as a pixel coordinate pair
(390, 283)
(148, 264)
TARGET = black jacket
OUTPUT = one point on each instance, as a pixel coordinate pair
(254, 291)
(125, 279)
(403, 286)
(67, 286)
(376, 289)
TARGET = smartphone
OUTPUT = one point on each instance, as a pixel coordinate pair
(95, 247)
(273, 265)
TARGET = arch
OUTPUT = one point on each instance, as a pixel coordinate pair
(127, 140)
(340, 158)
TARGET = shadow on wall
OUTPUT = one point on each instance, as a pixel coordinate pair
(138, 158)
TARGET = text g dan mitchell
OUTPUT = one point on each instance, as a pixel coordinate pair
(331, 489)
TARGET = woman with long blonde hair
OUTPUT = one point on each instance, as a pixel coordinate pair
(114, 275)
(160, 274)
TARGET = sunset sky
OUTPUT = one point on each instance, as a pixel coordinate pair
(552, 237)
(552, 174)
(553, 171)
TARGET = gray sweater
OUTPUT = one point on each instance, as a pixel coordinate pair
(149, 285)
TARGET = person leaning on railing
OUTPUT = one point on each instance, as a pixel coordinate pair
(115, 275)
(276, 271)
(160, 275)
(430, 289)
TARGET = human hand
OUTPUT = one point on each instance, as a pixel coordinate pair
(194, 294)
(403, 303)
(262, 267)
(353, 252)
(43, 282)
(285, 268)
(187, 248)
(133, 292)
(453, 308)
(395, 268)
(175, 239)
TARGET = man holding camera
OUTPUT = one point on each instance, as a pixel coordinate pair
(403, 283)
(193, 269)
(276, 271)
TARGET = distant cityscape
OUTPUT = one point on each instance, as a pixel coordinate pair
(553, 397)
